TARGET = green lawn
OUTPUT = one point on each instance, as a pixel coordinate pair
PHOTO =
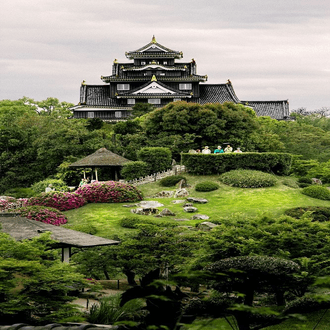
(222, 203)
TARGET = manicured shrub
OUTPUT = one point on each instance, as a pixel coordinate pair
(62, 201)
(20, 192)
(12, 204)
(206, 186)
(305, 304)
(56, 184)
(134, 222)
(200, 164)
(171, 181)
(318, 213)
(87, 228)
(134, 170)
(318, 192)
(304, 179)
(248, 179)
(109, 192)
(44, 214)
(290, 183)
(158, 159)
(130, 222)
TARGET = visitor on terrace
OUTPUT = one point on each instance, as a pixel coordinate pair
(238, 150)
(219, 150)
(206, 150)
(228, 149)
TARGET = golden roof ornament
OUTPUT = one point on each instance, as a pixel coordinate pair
(153, 40)
(83, 83)
(153, 62)
(229, 82)
(115, 61)
(153, 78)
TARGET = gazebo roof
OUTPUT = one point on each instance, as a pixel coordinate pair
(100, 158)
(22, 228)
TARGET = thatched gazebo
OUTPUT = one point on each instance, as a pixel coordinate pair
(22, 228)
(102, 158)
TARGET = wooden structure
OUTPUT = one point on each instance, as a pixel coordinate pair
(102, 158)
(22, 228)
(156, 77)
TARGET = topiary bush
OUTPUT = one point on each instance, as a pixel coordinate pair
(318, 213)
(206, 186)
(109, 192)
(134, 222)
(316, 191)
(158, 158)
(62, 201)
(44, 214)
(20, 192)
(171, 181)
(248, 179)
(134, 170)
(56, 184)
(87, 228)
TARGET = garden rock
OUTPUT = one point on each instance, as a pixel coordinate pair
(200, 217)
(188, 204)
(149, 204)
(316, 181)
(165, 193)
(166, 213)
(206, 225)
(178, 201)
(197, 200)
(190, 209)
(145, 211)
(129, 205)
(182, 184)
(181, 193)
(183, 219)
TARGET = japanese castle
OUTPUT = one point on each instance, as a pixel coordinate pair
(153, 76)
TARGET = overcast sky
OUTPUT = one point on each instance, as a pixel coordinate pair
(270, 50)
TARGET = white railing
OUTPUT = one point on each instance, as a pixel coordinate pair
(177, 169)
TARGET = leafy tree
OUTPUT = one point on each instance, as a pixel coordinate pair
(140, 109)
(158, 159)
(34, 283)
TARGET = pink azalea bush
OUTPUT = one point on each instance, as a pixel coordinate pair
(62, 201)
(109, 192)
(44, 214)
(11, 203)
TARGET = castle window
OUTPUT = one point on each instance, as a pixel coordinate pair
(122, 87)
(185, 86)
(143, 62)
(90, 114)
(130, 101)
(174, 100)
(154, 101)
(164, 62)
(118, 114)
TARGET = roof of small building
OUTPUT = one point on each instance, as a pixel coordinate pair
(217, 93)
(275, 109)
(22, 228)
(100, 158)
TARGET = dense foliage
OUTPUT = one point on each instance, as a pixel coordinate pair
(316, 191)
(134, 170)
(55, 184)
(44, 214)
(109, 192)
(206, 186)
(248, 179)
(62, 201)
(158, 159)
(171, 180)
(317, 213)
(200, 164)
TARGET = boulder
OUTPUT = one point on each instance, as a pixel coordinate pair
(178, 201)
(200, 217)
(197, 200)
(149, 204)
(144, 211)
(188, 204)
(206, 225)
(190, 209)
(183, 219)
(166, 213)
(316, 181)
(165, 193)
(181, 193)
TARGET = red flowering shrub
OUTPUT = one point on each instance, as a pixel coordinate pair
(109, 192)
(11, 204)
(44, 214)
(62, 201)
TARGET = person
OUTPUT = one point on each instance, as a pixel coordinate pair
(228, 149)
(198, 151)
(206, 150)
(82, 182)
(49, 188)
(238, 150)
(219, 150)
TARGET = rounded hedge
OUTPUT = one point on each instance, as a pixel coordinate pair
(206, 186)
(109, 192)
(56, 184)
(316, 191)
(171, 181)
(248, 179)
(44, 214)
(319, 213)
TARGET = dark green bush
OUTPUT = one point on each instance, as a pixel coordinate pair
(319, 213)
(85, 228)
(206, 186)
(56, 184)
(130, 222)
(200, 164)
(305, 305)
(304, 185)
(171, 181)
(248, 179)
(134, 170)
(304, 179)
(158, 159)
(20, 192)
(133, 222)
(316, 191)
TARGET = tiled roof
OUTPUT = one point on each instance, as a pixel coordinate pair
(22, 228)
(56, 326)
(100, 158)
(213, 93)
(274, 109)
(99, 95)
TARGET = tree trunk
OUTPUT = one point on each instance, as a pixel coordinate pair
(130, 277)
(106, 274)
